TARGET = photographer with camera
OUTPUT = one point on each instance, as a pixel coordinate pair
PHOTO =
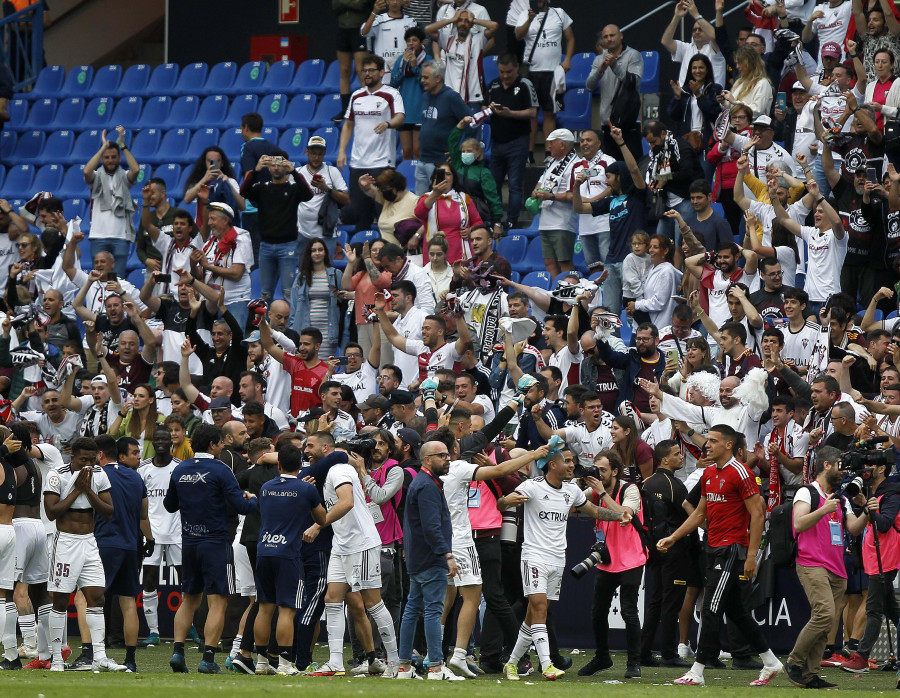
(548, 501)
(734, 514)
(821, 513)
(622, 567)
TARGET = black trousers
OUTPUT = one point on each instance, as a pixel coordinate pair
(502, 630)
(726, 595)
(880, 602)
(315, 570)
(362, 211)
(628, 583)
(664, 590)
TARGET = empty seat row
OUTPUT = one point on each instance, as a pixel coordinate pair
(314, 76)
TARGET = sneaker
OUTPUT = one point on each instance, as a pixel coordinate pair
(724, 655)
(131, 668)
(229, 666)
(597, 664)
(834, 660)
(82, 663)
(57, 666)
(561, 662)
(767, 674)
(461, 666)
(444, 674)
(209, 668)
(489, 666)
(472, 663)
(873, 665)
(376, 667)
(676, 662)
(685, 651)
(327, 670)
(716, 664)
(525, 667)
(44, 664)
(746, 663)
(11, 664)
(313, 666)
(690, 680)
(151, 641)
(650, 660)
(390, 671)
(551, 673)
(107, 664)
(287, 669)
(361, 669)
(338, 118)
(818, 682)
(66, 652)
(193, 635)
(411, 674)
(857, 664)
(243, 665)
(28, 650)
(633, 671)
(510, 671)
(265, 669)
(795, 675)
(178, 664)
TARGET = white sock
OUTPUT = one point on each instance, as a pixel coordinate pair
(385, 625)
(541, 643)
(459, 653)
(28, 628)
(262, 661)
(43, 632)
(3, 637)
(769, 659)
(57, 627)
(97, 625)
(697, 669)
(151, 610)
(236, 646)
(9, 631)
(334, 623)
(523, 642)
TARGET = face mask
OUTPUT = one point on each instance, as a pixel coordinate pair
(467, 158)
(389, 195)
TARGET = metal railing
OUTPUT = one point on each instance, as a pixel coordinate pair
(22, 37)
(669, 3)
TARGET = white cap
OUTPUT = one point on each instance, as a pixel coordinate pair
(561, 134)
(798, 86)
(762, 120)
(99, 379)
(224, 208)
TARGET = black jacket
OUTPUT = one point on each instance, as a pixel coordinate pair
(230, 364)
(680, 111)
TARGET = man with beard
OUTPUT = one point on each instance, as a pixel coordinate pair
(251, 390)
(113, 321)
(716, 280)
(393, 259)
(175, 249)
(737, 358)
(644, 361)
(762, 154)
(228, 354)
(112, 208)
(463, 50)
(674, 337)
(57, 424)
(481, 243)
(375, 411)
(484, 304)
(104, 263)
(594, 231)
(359, 374)
(408, 320)
(60, 329)
(769, 299)
(586, 439)
(335, 421)
(305, 368)
(276, 381)
(99, 409)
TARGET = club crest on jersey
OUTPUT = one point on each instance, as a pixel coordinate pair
(804, 342)
(566, 497)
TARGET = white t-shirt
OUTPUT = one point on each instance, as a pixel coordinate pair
(386, 37)
(449, 10)
(569, 365)
(833, 26)
(278, 381)
(355, 531)
(589, 224)
(443, 357)
(60, 435)
(409, 327)
(363, 382)
(760, 158)
(804, 131)
(242, 254)
(456, 492)
(488, 406)
(105, 225)
(587, 444)
(803, 495)
(765, 214)
(463, 59)
(165, 526)
(62, 482)
(112, 406)
(546, 516)
(559, 215)
(97, 293)
(549, 50)
(826, 257)
(308, 211)
(797, 441)
(684, 52)
(366, 111)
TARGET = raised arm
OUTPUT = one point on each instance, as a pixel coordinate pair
(78, 304)
(268, 343)
(668, 36)
(150, 342)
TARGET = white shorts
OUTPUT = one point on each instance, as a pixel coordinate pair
(32, 560)
(75, 563)
(359, 571)
(469, 566)
(7, 557)
(541, 578)
(244, 581)
(170, 551)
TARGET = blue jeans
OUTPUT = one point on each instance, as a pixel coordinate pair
(819, 175)
(302, 242)
(668, 226)
(239, 311)
(424, 170)
(508, 160)
(277, 260)
(595, 247)
(612, 288)
(118, 248)
(426, 595)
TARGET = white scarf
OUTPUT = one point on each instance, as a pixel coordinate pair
(433, 225)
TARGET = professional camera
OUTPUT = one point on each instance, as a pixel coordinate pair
(599, 556)
(362, 446)
(859, 463)
(586, 471)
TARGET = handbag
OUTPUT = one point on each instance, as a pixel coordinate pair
(329, 213)
(656, 207)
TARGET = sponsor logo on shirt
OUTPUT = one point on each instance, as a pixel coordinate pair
(194, 479)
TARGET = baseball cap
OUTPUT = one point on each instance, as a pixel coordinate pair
(401, 397)
(830, 48)
(220, 403)
(316, 142)
(375, 402)
(798, 86)
(224, 208)
(561, 134)
(252, 337)
(411, 438)
(763, 120)
(99, 379)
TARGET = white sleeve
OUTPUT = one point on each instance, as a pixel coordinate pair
(284, 342)
(681, 50)
(414, 347)
(802, 495)
(243, 253)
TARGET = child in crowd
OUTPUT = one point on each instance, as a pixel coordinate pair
(635, 268)
(181, 444)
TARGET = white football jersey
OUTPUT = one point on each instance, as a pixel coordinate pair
(546, 516)
(165, 526)
(587, 444)
(456, 492)
(355, 531)
(62, 482)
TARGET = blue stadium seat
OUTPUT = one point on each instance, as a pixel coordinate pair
(308, 77)
(200, 141)
(581, 68)
(156, 112)
(328, 107)
(535, 222)
(293, 142)
(331, 81)
(28, 147)
(136, 277)
(106, 81)
(127, 112)
(331, 134)
(135, 80)
(364, 236)
(301, 110)
(18, 182)
(249, 79)
(486, 141)
(174, 145)
(57, 148)
(170, 174)
(270, 133)
(240, 106)
(221, 77)
(273, 108)
(278, 78)
(213, 110)
(231, 143)
(73, 185)
(86, 145)
(490, 69)
(538, 279)
(145, 145)
(41, 115)
(513, 247)
(577, 113)
(7, 144)
(142, 178)
(97, 114)
(408, 169)
(78, 82)
(534, 258)
(182, 186)
(192, 79)
(184, 112)
(75, 208)
(18, 113)
(718, 208)
(162, 81)
(69, 113)
(515, 276)
(48, 178)
(49, 82)
(650, 80)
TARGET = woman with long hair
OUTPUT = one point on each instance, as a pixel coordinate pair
(783, 248)
(723, 158)
(439, 272)
(314, 300)
(450, 211)
(696, 107)
(182, 407)
(696, 354)
(636, 455)
(660, 286)
(753, 88)
(140, 420)
(214, 170)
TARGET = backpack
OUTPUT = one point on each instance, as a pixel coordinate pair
(626, 105)
(781, 539)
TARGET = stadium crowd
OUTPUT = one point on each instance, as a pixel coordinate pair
(402, 436)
